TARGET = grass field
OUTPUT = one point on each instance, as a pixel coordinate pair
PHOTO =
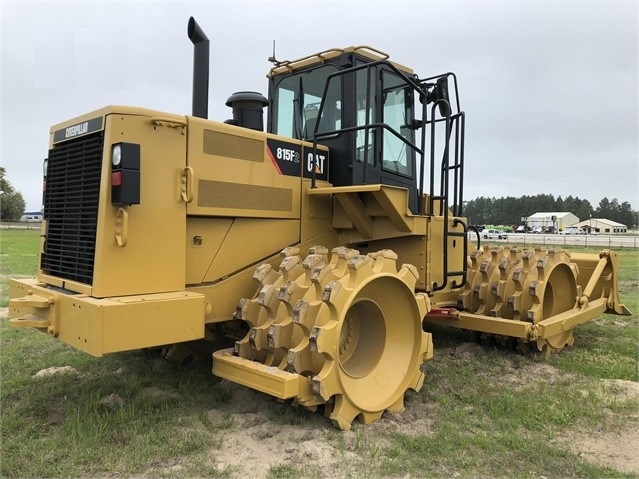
(483, 411)
(18, 256)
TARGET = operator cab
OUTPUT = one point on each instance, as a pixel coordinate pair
(362, 106)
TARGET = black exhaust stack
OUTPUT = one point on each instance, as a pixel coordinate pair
(200, 69)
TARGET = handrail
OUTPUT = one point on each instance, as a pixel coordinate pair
(415, 85)
(454, 123)
(464, 271)
(458, 121)
(291, 64)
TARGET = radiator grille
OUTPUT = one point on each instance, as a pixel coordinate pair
(71, 208)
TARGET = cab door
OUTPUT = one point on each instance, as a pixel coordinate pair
(384, 140)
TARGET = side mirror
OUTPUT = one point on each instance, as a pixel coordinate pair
(442, 94)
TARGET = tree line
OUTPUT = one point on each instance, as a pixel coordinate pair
(511, 210)
(11, 201)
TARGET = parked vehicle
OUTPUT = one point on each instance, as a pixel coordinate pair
(572, 230)
(546, 230)
(492, 234)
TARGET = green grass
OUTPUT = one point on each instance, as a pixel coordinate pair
(629, 276)
(19, 251)
(62, 426)
(129, 410)
(18, 257)
(497, 455)
(608, 346)
(488, 412)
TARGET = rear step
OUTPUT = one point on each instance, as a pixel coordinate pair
(267, 379)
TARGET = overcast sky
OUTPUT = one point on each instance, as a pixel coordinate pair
(549, 88)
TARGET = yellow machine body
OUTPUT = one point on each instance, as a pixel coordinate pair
(197, 230)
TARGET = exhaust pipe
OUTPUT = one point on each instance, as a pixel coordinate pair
(200, 69)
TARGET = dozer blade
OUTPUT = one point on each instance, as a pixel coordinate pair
(598, 276)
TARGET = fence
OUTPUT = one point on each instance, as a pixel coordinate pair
(21, 225)
(592, 241)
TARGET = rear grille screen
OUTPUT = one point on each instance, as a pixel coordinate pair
(71, 208)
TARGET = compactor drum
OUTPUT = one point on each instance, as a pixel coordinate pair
(525, 285)
(359, 155)
(336, 324)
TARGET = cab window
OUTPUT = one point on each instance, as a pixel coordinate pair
(365, 114)
(397, 156)
(297, 102)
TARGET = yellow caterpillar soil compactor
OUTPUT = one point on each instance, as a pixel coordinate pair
(307, 256)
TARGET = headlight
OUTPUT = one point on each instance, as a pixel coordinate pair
(125, 173)
(116, 155)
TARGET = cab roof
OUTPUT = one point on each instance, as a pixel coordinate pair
(371, 53)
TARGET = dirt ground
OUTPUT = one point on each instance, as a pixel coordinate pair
(254, 443)
(615, 449)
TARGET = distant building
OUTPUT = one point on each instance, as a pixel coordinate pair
(556, 220)
(600, 225)
(31, 216)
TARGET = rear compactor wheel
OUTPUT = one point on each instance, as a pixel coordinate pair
(352, 325)
(526, 285)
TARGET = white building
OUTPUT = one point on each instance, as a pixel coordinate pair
(600, 225)
(31, 216)
(558, 220)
